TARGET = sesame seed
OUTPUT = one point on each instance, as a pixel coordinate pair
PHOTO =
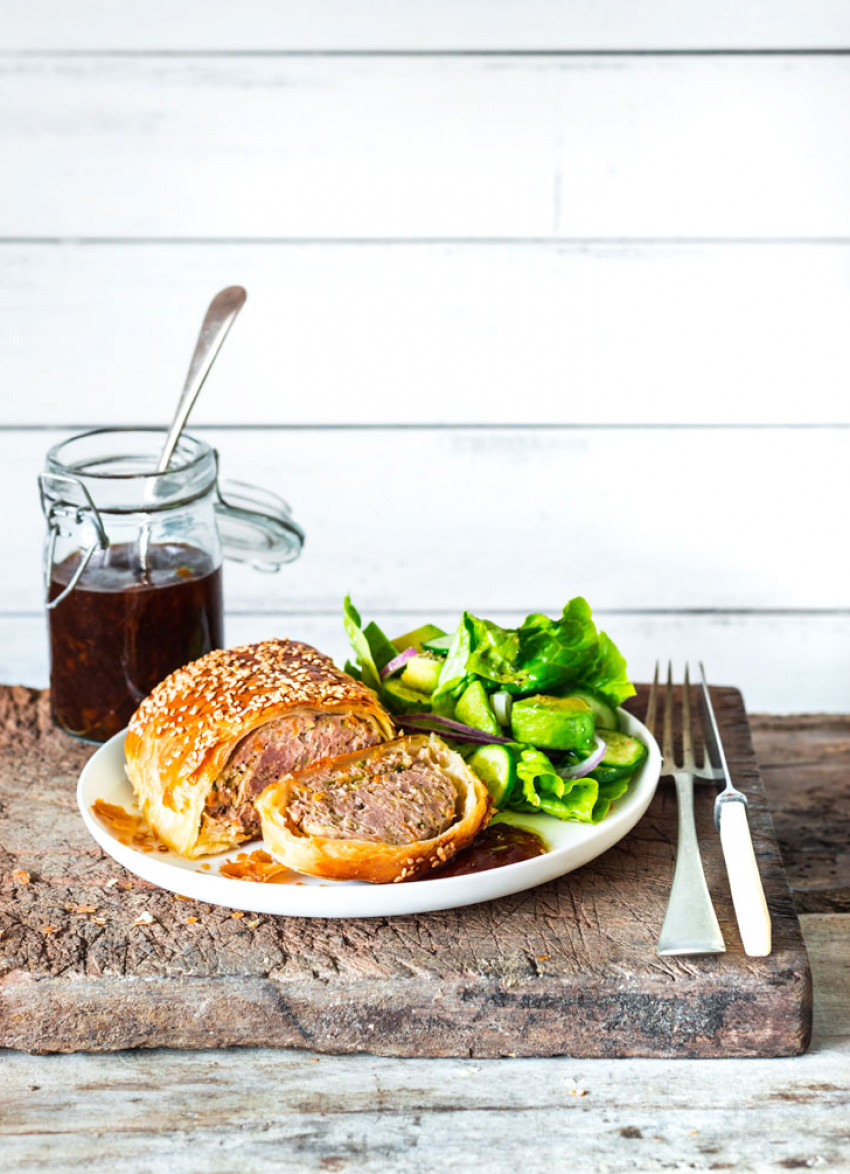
(199, 707)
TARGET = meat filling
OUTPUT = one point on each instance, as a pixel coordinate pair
(281, 746)
(395, 799)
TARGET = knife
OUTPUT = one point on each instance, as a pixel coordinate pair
(730, 818)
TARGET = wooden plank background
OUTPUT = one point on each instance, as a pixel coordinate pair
(438, 26)
(543, 299)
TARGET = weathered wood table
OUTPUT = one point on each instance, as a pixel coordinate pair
(254, 1108)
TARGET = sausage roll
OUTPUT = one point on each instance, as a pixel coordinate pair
(210, 737)
(384, 814)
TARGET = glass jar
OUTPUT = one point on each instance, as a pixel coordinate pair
(132, 566)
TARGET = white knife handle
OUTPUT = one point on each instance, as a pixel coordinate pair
(744, 880)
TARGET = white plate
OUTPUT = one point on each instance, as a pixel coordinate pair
(570, 846)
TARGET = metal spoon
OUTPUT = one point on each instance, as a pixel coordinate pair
(218, 319)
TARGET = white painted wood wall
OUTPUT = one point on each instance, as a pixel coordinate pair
(544, 299)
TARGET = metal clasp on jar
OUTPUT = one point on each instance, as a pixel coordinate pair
(61, 510)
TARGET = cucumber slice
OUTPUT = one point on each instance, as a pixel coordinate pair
(554, 723)
(610, 774)
(417, 637)
(623, 754)
(496, 768)
(604, 714)
(440, 644)
(473, 709)
(422, 673)
(400, 698)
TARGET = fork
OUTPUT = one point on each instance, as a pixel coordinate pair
(690, 923)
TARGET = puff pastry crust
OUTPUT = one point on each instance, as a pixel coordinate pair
(182, 737)
(313, 819)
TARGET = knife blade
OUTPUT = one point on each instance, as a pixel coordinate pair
(730, 817)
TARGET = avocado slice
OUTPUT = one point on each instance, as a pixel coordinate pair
(605, 715)
(400, 698)
(415, 638)
(553, 723)
(422, 673)
(474, 709)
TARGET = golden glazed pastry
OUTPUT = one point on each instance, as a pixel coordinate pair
(210, 737)
(384, 814)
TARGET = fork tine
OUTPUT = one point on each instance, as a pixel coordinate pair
(687, 736)
(652, 705)
(667, 734)
(704, 765)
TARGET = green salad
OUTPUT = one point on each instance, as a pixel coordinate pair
(533, 709)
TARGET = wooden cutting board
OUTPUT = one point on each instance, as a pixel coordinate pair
(93, 959)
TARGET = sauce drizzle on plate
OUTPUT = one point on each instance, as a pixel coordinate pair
(258, 866)
(498, 845)
(128, 829)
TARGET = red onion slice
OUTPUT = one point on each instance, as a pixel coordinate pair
(587, 765)
(397, 662)
(449, 727)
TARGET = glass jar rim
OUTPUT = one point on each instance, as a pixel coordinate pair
(202, 452)
(255, 526)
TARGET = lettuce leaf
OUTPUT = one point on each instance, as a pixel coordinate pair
(368, 673)
(453, 675)
(609, 676)
(543, 789)
(381, 647)
(541, 655)
(608, 793)
(545, 655)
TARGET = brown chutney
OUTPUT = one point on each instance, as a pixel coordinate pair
(494, 847)
(120, 631)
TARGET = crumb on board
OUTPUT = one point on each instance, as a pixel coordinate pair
(543, 957)
(253, 924)
(98, 920)
(113, 880)
(144, 919)
(127, 885)
(237, 913)
(191, 920)
(21, 876)
(49, 929)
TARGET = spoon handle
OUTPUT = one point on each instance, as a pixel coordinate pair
(218, 319)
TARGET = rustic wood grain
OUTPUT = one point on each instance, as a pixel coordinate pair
(263, 1109)
(805, 765)
(566, 968)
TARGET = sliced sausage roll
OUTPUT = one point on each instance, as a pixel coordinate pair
(384, 814)
(210, 737)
